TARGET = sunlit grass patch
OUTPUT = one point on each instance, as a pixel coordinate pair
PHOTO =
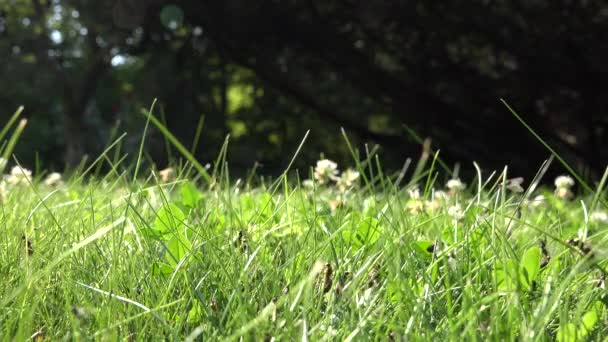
(340, 253)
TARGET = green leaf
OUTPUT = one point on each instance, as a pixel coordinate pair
(195, 315)
(424, 248)
(361, 232)
(589, 320)
(177, 248)
(169, 219)
(258, 207)
(530, 266)
(191, 196)
(369, 230)
(505, 272)
(161, 268)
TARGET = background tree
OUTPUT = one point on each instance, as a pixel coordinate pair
(267, 71)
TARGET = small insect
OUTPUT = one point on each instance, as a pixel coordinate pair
(545, 253)
(29, 245)
(601, 282)
(582, 247)
(241, 241)
(328, 278)
(213, 304)
(373, 277)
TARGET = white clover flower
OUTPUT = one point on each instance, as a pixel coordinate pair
(308, 184)
(18, 176)
(438, 200)
(166, 174)
(455, 185)
(365, 299)
(415, 207)
(433, 205)
(414, 193)
(347, 179)
(563, 193)
(514, 184)
(537, 201)
(53, 179)
(456, 212)
(440, 195)
(325, 171)
(599, 216)
(3, 190)
(336, 204)
(564, 182)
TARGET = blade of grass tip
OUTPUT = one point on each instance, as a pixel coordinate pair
(420, 141)
(143, 139)
(355, 158)
(12, 142)
(80, 167)
(539, 175)
(163, 120)
(424, 157)
(37, 164)
(197, 134)
(456, 171)
(220, 161)
(381, 176)
(546, 145)
(180, 147)
(598, 191)
(371, 168)
(479, 180)
(101, 157)
(430, 178)
(277, 183)
(113, 172)
(406, 166)
(11, 122)
(503, 187)
(112, 135)
(295, 155)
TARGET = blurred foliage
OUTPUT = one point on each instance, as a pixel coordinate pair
(265, 72)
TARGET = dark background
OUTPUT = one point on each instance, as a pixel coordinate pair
(266, 71)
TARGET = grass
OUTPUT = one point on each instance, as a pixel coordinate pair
(198, 256)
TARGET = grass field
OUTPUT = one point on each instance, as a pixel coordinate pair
(188, 254)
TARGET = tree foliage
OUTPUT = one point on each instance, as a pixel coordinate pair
(266, 71)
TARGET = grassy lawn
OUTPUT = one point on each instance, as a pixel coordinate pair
(336, 254)
(341, 256)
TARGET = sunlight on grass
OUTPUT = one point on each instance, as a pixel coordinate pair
(344, 254)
